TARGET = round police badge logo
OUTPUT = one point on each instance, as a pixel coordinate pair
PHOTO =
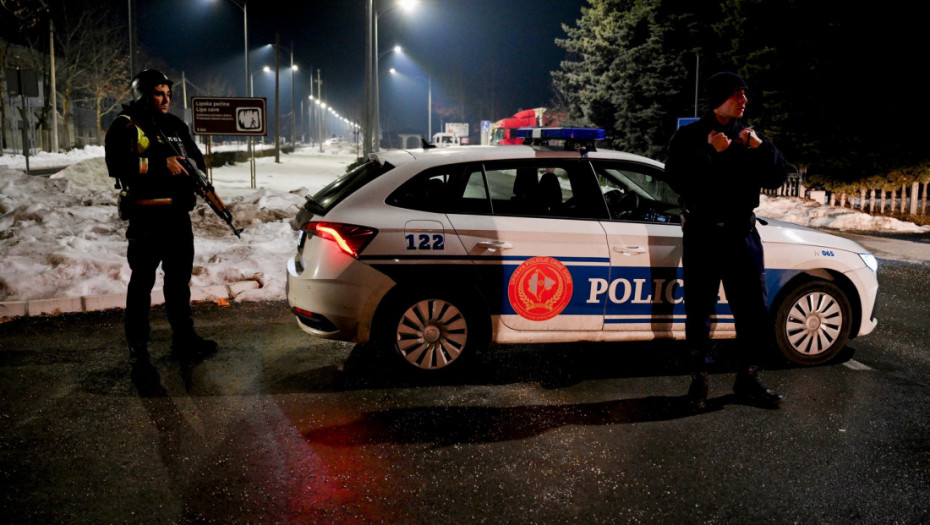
(540, 288)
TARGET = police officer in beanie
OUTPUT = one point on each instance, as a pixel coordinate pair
(719, 166)
(143, 147)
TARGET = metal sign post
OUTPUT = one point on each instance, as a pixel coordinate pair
(24, 83)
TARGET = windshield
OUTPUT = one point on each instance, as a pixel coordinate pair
(499, 134)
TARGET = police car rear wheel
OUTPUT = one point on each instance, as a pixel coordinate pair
(813, 322)
(434, 333)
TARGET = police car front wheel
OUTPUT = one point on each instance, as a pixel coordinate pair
(433, 333)
(813, 322)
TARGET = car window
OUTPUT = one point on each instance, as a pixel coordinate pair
(442, 190)
(336, 191)
(541, 188)
(529, 188)
(636, 192)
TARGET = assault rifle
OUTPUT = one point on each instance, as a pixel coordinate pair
(204, 188)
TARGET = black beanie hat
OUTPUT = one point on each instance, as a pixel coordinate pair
(721, 86)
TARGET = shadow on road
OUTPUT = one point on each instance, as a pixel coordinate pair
(551, 366)
(452, 425)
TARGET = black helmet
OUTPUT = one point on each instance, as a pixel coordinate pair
(143, 83)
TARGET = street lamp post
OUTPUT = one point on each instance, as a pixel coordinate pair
(293, 99)
(319, 95)
(429, 107)
(277, 98)
(376, 113)
(429, 101)
(373, 124)
(369, 71)
(243, 4)
(377, 89)
(277, 106)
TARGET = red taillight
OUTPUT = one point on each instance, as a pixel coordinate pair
(350, 238)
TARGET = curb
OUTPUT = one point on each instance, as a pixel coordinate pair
(93, 303)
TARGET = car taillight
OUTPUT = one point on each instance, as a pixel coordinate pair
(350, 238)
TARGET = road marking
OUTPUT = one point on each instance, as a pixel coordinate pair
(852, 364)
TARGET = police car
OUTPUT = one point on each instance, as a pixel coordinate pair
(436, 253)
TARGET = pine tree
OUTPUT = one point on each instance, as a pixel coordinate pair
(630, 69)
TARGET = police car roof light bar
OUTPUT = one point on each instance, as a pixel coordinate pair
(581, 139)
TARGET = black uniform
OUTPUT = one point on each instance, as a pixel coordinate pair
(159, 225)
(719, 192)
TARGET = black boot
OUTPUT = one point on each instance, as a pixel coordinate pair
(750, 388)
(697, 392)
(143, 374)
(191, 346)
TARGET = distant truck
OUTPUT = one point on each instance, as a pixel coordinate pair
(443, 140)
(503, 131)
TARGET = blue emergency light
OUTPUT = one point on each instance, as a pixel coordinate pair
(561, 133)
(577, 139)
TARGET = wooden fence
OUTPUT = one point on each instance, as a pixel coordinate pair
(877, 201)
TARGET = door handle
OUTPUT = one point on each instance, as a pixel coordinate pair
(629, 250)
(495, 245)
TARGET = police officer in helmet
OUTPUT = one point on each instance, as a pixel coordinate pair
(718, 166)
(144, 146)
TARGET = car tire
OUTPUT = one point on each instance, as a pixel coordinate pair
(812, 323)
(434, 332)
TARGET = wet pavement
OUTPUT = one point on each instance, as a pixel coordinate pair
(281, 427)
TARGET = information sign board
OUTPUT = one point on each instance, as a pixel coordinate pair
(229, 116)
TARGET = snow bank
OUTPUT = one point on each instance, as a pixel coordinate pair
(61, 236)
(815, 215)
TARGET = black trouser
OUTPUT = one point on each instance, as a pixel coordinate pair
(166, 238)
(711, 255)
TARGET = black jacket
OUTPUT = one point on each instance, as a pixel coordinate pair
(136, 154)
(721, 187)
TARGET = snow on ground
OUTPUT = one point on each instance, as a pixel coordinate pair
(812, 214)
(60, 236)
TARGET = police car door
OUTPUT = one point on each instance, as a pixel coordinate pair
(535, 241)
(644, 292)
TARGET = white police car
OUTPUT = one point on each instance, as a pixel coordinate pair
(438, 252)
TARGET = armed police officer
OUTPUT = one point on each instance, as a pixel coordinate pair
(719, 166)
(145, 145)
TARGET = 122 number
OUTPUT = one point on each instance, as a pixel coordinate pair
(425, 241)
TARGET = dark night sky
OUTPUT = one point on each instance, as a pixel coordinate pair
(490, 57)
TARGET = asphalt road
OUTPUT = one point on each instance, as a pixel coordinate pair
(280, 427)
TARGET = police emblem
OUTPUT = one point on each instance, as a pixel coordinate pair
(540, 288)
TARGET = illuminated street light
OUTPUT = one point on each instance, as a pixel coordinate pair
(242, 4)
(277, 123)
(293, 99)
(377, 111)
(277, 91)
(372, 120)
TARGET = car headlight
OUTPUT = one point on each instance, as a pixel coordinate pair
(870, 261)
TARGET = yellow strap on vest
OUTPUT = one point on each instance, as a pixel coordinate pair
(142, 141)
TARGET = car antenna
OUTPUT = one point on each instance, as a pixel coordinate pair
(426, 145)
